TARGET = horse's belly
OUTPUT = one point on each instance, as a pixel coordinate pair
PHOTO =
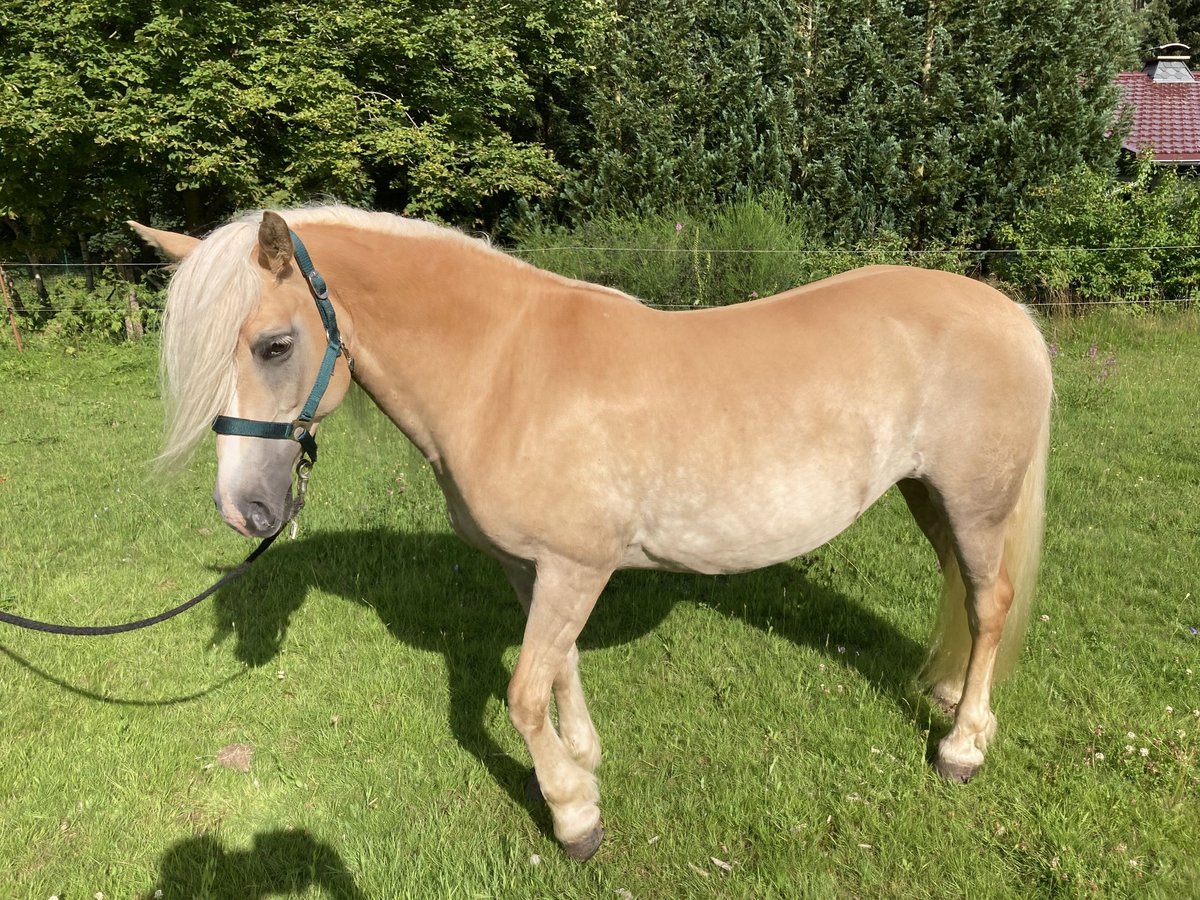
(743, 534)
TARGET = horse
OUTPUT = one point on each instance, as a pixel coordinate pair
(575, 431)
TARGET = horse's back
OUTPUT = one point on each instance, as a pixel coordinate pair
(730, 438)
(878, 332)
(919, 298)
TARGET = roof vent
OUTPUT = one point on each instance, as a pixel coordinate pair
(1170, 65)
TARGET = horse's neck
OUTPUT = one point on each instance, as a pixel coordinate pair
(429, 317)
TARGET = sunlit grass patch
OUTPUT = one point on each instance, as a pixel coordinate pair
(763, 734)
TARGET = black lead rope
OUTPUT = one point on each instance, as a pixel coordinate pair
(89, 630)
(300, 431)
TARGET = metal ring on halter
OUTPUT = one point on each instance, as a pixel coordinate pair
(303, 470)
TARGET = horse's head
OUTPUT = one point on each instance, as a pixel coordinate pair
(242, 337)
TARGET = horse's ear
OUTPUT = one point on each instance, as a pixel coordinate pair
(274, 243)
(172, 245)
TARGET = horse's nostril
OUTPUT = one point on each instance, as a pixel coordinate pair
(259, 518)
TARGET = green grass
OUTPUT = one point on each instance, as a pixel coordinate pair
(769, 721)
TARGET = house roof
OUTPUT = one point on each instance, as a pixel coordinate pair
(1163, 102)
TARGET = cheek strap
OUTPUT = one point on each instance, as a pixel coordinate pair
(300, 429)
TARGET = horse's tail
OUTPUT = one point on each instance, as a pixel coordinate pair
(950, 647)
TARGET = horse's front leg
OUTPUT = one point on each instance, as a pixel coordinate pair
(562, 599)
(575, 725)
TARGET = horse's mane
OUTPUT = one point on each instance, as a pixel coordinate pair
(214, 290)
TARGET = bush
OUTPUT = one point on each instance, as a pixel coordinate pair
(105, 311)
(749, 249)
(1092, 238)
(927, 120)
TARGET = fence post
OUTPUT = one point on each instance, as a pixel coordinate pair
(8, 306)
(133, 319)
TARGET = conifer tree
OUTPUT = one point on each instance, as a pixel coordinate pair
(926, 119)
(1156, 26)
(1186, 14)
(692, 104)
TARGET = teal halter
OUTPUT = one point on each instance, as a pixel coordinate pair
(299, 430)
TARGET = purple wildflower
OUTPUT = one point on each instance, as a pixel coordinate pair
(1053, 348)
(1093, 350)
(679, 226)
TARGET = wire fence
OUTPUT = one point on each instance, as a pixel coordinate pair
(13, 264)
(690, 250)
(858, 251)
(27, 273)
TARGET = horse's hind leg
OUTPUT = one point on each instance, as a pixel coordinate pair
(944, 675)
(929, 518)
(562, 599)
(989, 595)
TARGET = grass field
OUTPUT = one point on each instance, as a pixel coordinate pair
(334, 726)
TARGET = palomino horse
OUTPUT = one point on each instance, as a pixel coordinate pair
(575, 431)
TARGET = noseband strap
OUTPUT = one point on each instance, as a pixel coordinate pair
(299, 430)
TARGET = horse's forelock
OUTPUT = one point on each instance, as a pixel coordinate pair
(211, 294)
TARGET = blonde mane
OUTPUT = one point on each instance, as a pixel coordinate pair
(214, 290)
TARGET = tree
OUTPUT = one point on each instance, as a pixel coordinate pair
(930, 120)
(1187, 16)
(185, 113)
(1167, 21)
(1155, 26)
(693, 104)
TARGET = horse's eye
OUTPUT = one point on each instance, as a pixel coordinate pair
(277, 349)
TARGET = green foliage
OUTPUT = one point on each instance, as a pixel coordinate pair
(1062, 233)
(1155, 26)
(929, 120)
(1187, 14)
(884, 124)
(1167, 21)
(75, 312)
(753, 248)
(692, 105)
(186, 113)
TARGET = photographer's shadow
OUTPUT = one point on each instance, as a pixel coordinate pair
(435, 593)
(279, 863)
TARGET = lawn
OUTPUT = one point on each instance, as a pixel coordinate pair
(333, 725)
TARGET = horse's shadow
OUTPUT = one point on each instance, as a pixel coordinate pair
(426, 587)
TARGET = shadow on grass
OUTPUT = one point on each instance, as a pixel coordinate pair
(65, 685)
(280, 863)
(435, 593)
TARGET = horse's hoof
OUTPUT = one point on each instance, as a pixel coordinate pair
(583, 849)
(533, 791)
(955, 773)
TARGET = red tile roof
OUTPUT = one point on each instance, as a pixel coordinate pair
(1165, 117)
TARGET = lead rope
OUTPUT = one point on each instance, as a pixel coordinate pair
(297, 431)
(303, 470)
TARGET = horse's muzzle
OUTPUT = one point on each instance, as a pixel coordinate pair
(254, 518)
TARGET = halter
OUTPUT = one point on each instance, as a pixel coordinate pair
(300, 429)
